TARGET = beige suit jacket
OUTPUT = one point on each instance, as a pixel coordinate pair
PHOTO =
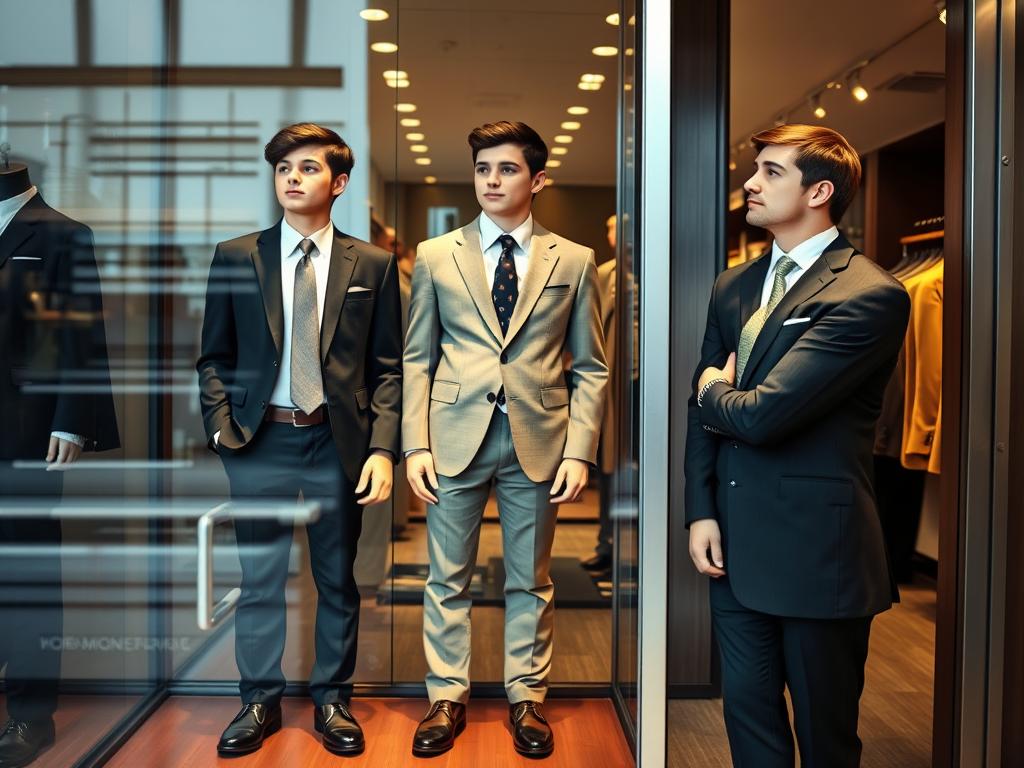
(455, 355)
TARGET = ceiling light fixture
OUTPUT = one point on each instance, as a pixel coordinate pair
(553, 164)
(430, 179)
(373, 14)
(578, 110)
(405, 107)
(383, 47)
(605, 50)
(410, 122)
(816, 108)
(395, 74)
(613, 19)
(857, 89)
(589, 86)
(559, 150)
(398, 83)
(419, 148)
(422, 161)
(571, 125)
(415, 136)
(589, 77)
(549, 182)
(563, 139)
(940, 6)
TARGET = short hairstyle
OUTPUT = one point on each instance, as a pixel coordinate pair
(822, 155)
(504, 132)
(339, 155)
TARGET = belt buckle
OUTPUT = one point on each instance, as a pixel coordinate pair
(294, 422)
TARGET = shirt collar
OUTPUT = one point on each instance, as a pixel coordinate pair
(807, 252)
(490, 232)
(290, 239)
(12, 205)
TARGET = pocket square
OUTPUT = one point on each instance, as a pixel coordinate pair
(26, 258)
(358, 289)
(796, 321)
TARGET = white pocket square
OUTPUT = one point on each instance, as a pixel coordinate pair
(796, 320)
(357, 289)
(26, 258)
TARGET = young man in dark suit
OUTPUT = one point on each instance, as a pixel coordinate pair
(798, 348)
(300, 379)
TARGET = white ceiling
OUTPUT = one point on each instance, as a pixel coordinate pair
(474, 61)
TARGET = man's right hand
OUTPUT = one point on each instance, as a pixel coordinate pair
(419, 470)
(705, 535)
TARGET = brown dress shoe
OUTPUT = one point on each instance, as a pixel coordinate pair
(531, 733)
(342, 734)
(437, 731)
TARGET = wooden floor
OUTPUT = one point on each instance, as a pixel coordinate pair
(184, 732)
(896, 708)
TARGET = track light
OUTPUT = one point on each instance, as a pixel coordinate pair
(816, 108)
(857, 89)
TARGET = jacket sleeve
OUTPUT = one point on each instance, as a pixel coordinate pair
(218, 355)
(588, 375)
(822, 368)
(384, 365)
(701, 452)
(422, 354)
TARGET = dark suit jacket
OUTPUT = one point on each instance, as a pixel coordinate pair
(789, 478)
(54, 374)
(360, 344)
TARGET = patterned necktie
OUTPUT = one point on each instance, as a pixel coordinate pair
(505, 291)
(757, 320)
(307, 386)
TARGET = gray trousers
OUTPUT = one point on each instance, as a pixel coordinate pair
(453, 536)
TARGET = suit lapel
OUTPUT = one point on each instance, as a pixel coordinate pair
(20, 230)
(267, 261)
(751, 286)
(469, 258)
(835, 259)
(343, 263)
(543, 258)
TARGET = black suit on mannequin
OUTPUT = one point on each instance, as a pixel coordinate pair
(361, 354)
(787, 473)
(54, 376)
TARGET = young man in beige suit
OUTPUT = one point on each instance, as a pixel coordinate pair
(486, 400)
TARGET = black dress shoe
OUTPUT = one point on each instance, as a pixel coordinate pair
(22, 742)
(342, 734)
(437, 731)
(599, 562)
(531, 733)
(249, 728)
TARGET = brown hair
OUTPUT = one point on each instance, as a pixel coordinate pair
(822, 155)
(339, 155)
(504, 132)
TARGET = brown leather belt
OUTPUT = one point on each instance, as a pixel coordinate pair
(296, 417)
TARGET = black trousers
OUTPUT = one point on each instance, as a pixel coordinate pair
(31, 600)
(604, 530)
(280, 462)
(821, 661)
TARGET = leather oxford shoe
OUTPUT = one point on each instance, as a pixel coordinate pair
(342, 734)
(531, 733)
(22, 742)
(437, 731)
(251, 726)
(599, 562)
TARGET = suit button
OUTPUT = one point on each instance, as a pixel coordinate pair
(491, 397)
(735, 445)
(504, 358)
(732, 483)
(263, 403)
(277, 363)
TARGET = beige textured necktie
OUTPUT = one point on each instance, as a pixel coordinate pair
(307, 385)
(757, 320)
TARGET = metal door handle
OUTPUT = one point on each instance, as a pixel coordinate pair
(209, 614)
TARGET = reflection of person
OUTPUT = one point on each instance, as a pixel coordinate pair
(799, 346)
(601, 560)
(300, 385)
(55, 402)
(486, 400)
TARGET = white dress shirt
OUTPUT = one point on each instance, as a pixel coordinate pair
(323, 239)
(489, 234)
(9, 208)
(805, 254)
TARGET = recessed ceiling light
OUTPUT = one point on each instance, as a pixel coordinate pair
(559, 150)
(613, 19)
(627, 86)
(405, 107)
(589, 86)
(398, 83)
(549, 182)
(395, 74)
(419, 148)
(629, 51)
(415, 136)
(578, 110)
(553, 164)
(605, 50)
(571, 125)
(373, 14)
(430, 179)
(410, 122)
(589, 77)
(563, 139)
(422, 161)
(383, 47)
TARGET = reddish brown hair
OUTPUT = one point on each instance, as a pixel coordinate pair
(338, 154)
(822, 155)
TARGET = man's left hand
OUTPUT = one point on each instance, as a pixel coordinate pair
(573, 474)
(378, 475)
(61, 453)
(728, 373)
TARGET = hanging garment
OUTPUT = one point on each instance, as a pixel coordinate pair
(923, 377)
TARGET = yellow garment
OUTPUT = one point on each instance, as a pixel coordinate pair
(923, 379)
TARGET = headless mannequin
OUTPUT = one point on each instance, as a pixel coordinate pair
(13, 176)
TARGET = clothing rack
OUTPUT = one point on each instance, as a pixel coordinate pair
(937, 234)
